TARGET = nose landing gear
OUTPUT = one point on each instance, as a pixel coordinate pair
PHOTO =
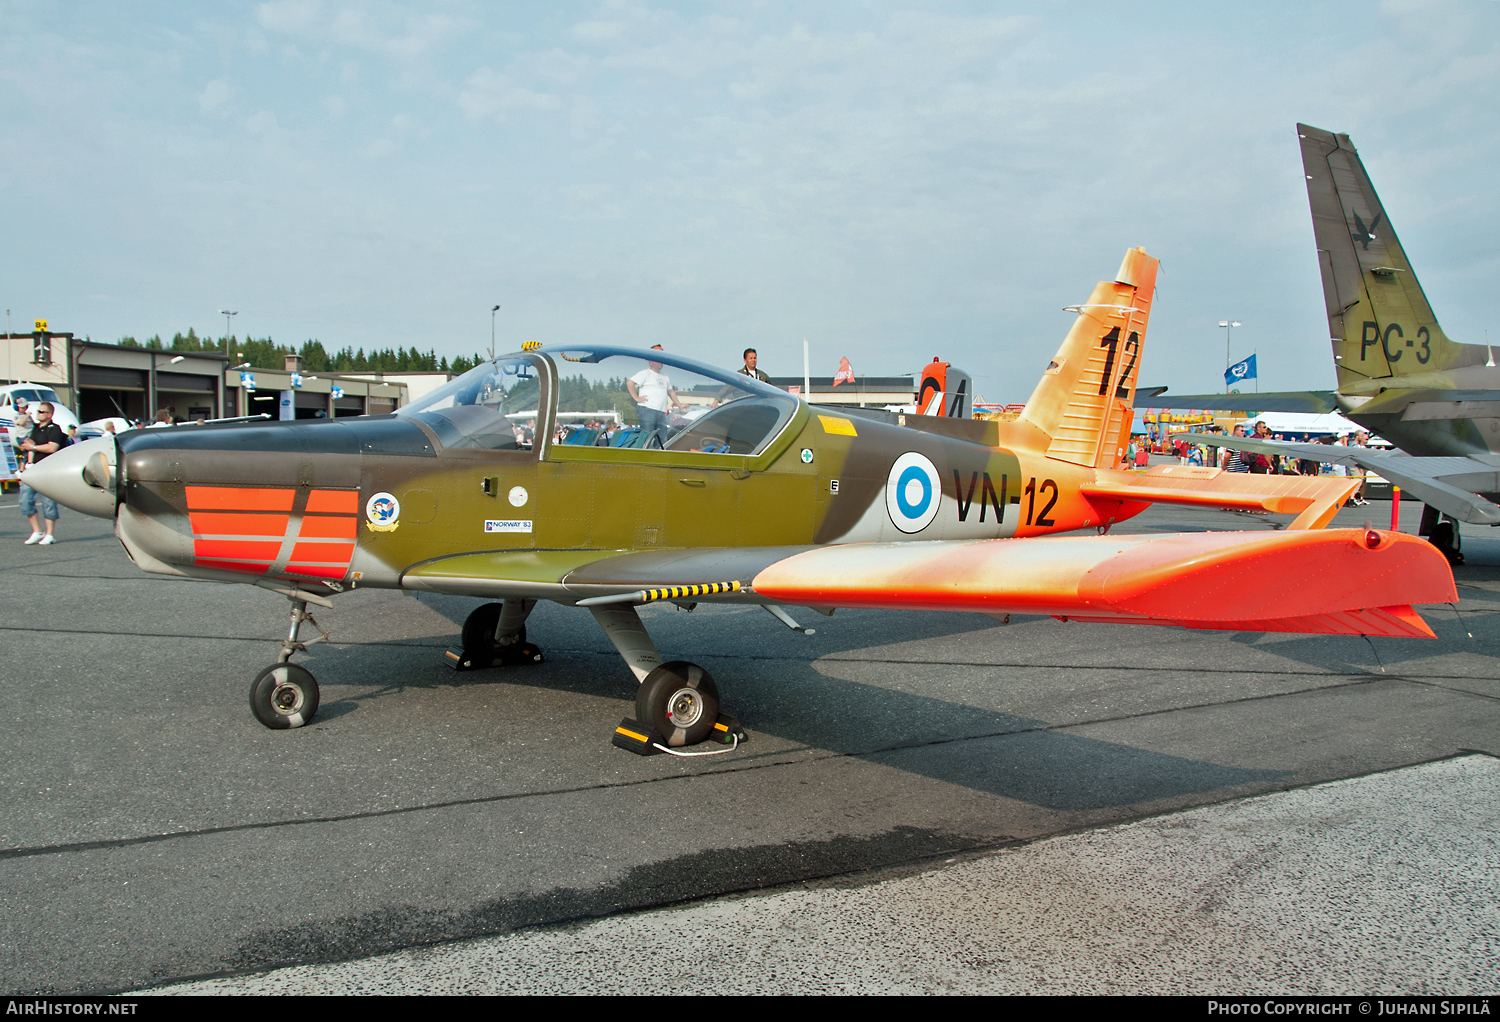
(285, 695)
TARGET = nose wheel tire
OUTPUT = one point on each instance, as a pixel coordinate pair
(679, 701)
(284, 696)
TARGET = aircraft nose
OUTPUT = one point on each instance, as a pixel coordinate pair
(81, 477)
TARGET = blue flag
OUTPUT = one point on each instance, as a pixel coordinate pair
(1240, 371)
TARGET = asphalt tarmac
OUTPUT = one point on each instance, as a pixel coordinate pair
(152, 832)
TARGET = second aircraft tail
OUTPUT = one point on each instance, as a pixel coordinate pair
(1379, 319)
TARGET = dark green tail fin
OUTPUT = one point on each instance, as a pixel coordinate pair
(1378, 317)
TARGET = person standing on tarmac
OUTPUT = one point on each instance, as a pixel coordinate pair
(45, 438)
(751, 357)
(1361, 439)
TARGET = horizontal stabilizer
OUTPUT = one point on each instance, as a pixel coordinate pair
(1336, 581)
(1452, 485)
(1315, 498)
(1314, 402)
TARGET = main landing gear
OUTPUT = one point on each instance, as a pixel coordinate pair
(1441, 531)
(494, 635)
(677, 703)
(285, 695)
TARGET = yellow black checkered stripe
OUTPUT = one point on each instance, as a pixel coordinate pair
(680, 592)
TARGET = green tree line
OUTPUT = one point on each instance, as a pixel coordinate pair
(577, 394)
(264, 353)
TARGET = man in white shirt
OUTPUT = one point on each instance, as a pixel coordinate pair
(651, 390)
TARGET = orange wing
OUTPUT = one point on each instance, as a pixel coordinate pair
(1337, 581)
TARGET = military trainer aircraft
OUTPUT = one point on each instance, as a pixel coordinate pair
(1398, 374)
(716, 487)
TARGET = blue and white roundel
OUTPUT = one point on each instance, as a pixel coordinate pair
(913, 492)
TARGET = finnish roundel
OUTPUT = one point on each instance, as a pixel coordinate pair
(913, 492)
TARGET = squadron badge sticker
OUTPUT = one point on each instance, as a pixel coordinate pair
(383, 511)
(913, 492)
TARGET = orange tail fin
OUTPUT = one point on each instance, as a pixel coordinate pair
(1084, 401)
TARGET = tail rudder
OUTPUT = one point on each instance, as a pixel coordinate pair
(1379, 319)
(1084, 400)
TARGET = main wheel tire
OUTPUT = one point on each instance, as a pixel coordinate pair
(1445, 537)
(478, 635)
(284, 696)
(679, 701)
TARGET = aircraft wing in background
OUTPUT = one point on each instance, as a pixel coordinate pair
(1315, 402)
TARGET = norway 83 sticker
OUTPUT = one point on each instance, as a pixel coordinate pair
(913, 492)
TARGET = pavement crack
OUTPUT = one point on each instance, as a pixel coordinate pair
(791, 757)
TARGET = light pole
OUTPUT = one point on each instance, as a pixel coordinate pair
(1227, 325)
(152, 395)
(492, 331)
(226, 314)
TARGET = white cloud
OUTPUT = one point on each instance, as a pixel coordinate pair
(262, 122)
(385, 29)
(489, 93)
(214, 95)
(378, 148)
(599, 31)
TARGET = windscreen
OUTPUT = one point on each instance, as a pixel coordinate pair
(491, 407)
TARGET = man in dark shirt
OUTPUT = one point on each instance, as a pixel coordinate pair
(751, 357)
(46, 438)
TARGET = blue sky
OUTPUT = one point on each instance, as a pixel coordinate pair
(892, 182)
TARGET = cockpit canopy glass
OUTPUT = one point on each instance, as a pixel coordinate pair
(655, 402)
(491, 407)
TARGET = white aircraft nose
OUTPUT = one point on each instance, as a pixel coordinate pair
(80, 476)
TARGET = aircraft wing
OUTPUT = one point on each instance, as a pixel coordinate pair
(1330, 581)
(1314, 401)
(1363, 582)
(1452, 485)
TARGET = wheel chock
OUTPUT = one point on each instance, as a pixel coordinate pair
(458, 660)
(635, 737)
(727, 730)
(507, 656)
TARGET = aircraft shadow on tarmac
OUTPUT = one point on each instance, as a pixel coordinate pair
(1001, 754)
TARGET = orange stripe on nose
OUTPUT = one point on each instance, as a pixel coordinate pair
(236, 548)
(205, 524)
(336, 501)
(318, 527)
(253, 569)
(324, 552)
(237, 498)
(316, 571)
